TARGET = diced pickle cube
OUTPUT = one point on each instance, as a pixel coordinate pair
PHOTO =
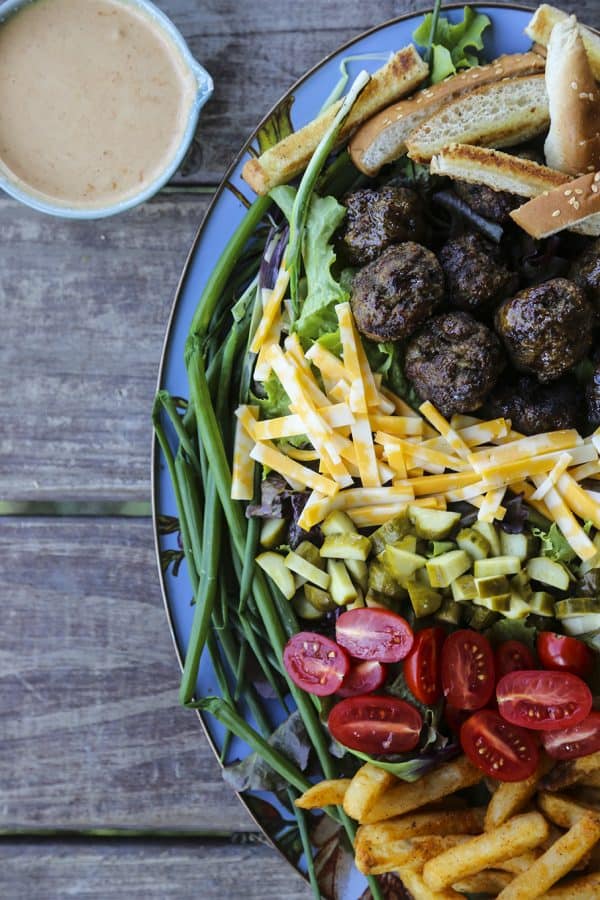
(442, 570)
(463, 589)
(382, 582)
(432, 524)
(490, 534)
(492, 586)
(346, 546)
(338, 522)
(309, 551)
(304, 608)
(425, 601)
(547, 571)
(273, 564)
(499, 565)
(408, 543)
(305, 569)
(391, 531)
(436, 548)
(541, 603)
(473, 543)
(340, 586)
(319, 598)
(577, 606)
(450, 612)
(272, 533)
(359, 572)
(521, 545)
(519, 608)
(401, 564)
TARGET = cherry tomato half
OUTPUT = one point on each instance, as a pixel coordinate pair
(567, 654)
(499, 749)
(315, 663)
(511, 656)
(364, 677)
(467, 670)
(375, 724)
(543, 701)
(579, 740)
(422, 665)
(374, 634)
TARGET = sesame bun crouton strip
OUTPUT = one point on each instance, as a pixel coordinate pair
(575, 203)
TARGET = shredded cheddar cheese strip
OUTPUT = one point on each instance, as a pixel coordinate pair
(290, 426)
(526, 448)
(395, 458)
(326, 361)
(578, 499)
(372, 516)
(587, 470)
(302, 455)
(271, 309)
(442, 425)
(523, 487)
(439, 484)
(566, 521)
(491, 503)
(562, 464)
(400, 426)
(506, 473)
(420, 453)
(270, 456)
(242, 470)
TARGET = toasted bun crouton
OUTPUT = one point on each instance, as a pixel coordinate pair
(574, 204)
(383, 138)
(500, 114)
(543, 21)
(400, 76)
(573, 142)
(497, 170)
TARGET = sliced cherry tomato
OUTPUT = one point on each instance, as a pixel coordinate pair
(422, 665)
(467, 670)
(511, 656)
(374, 634)
(364, 677)
(375, 724)
(315, 663)
(543, 701)
(499, 749)
(579, 740)
(558, 651)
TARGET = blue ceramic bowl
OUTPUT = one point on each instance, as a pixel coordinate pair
(204, 89)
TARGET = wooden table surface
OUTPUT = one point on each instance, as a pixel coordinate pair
(91, 736)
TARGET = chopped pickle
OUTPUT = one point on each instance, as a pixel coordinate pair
(359, 603)
(425, 601)
(593, 563)
(519, 608)
(492, 586)
(541, 603)
(346, 546)
(338, 522)
(340, 586)
(490, 534)
(304, 608)
(481, 618)
(499, 565)
(377, 600)
(436, 548)
(308, 551)
(381, 581)
(576, 606)
(546, 571)
(523, 545)
(586, 624)
(359, 572)
(450, 612)
(273, 564)
(499, 604)
(322, 600)
(521, 584)
(305, 569)
(272, 533)
(408, 543)
(391, 531)
(401, 564)
(464, 589)
(432, 524)
(473, 543)
(442, 570)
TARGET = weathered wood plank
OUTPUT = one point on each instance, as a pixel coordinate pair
(84, 311)
(105, 870)
(91, 734)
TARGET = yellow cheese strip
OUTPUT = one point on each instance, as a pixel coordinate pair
(587, 470)
(242, 470)
(439, 484)
(351, 358)
(385, 473)
(270, 456)
(290, 426)
(327, 362)
(375, 399)
(578, 499)
(365, 451)
(526, 448)
(400, 426)
(442, 425)
(491, 503)
(469, 492)
(479, 501)
(424, 455)
(400, 405)
(497, 475)
(562, 464)
(395, 458)
(316, 508)
(271, 309)
(484, 432)
(247, 416)
(340, 392)
(372, 516)
(566, 521)
(459, 421)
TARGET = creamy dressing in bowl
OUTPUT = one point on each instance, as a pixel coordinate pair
(97, 99)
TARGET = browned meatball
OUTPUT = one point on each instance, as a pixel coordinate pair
(454, 362)
(492, 205)
(378, 218)
(395, 293)
(592, 397)
(476, 278)
(585, 271)
(546, 328)
(533, 407)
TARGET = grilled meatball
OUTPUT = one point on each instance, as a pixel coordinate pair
(546, 328)
(454, 362)
(492, 205)
(476, 278)
(533, 407)
(592, 397)
(585, 271)
(395, 293)
(378, 218)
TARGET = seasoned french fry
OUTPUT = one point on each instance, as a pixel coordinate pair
(561, 810)
(517, 864)
(519, 834)
(406, 796)
(570, 771)
(555, 862)
(490, 881)
(324, 793)
(512, 796)
(453, 821)
(365, 789)
(413, 882)
(585, 888)
(592, 780)
(374, 856)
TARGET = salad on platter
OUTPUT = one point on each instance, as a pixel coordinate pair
(387, 473)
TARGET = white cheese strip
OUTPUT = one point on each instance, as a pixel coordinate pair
(270, 456)
(469, 492)
(566, 521)
(484, 432)
(491, 503)
(587, 470)
(358, 398)
(526, 448)
(242, 470)
(271, 309)
(561, 465)
(442, 425)
(291, 426)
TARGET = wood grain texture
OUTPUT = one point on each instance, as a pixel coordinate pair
(105, 870)
(91, 734)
